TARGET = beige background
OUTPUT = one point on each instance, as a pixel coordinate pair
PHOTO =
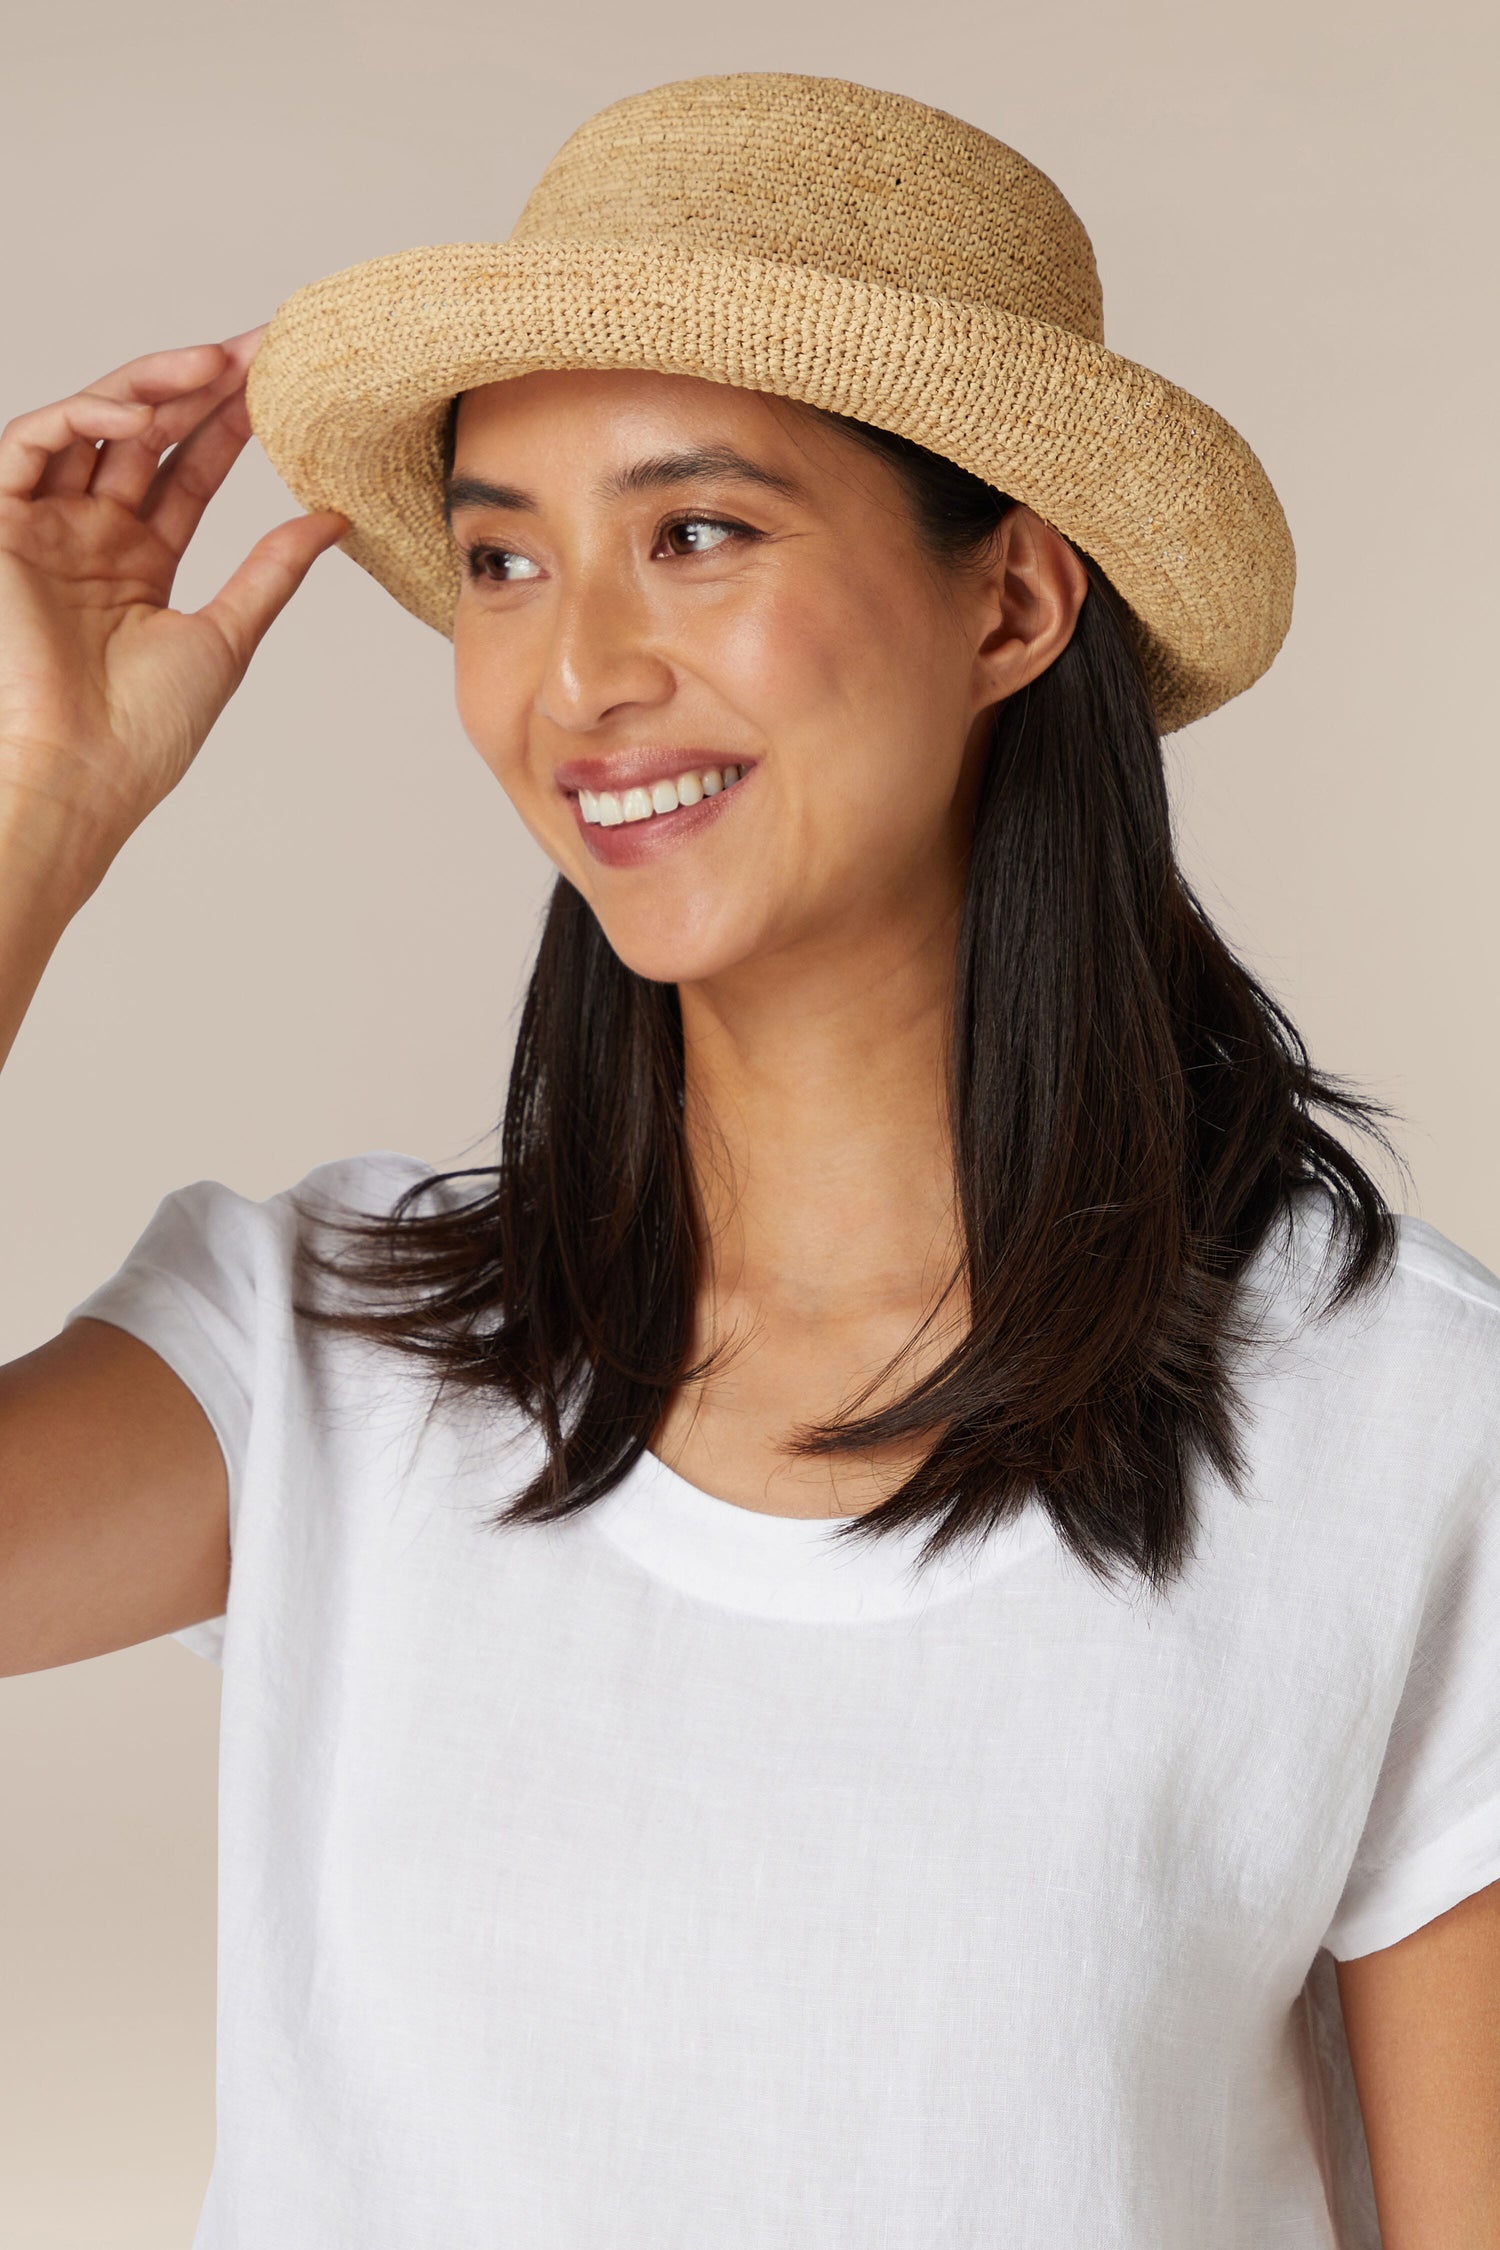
(316, 946)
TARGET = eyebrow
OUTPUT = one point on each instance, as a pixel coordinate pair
(642, 476)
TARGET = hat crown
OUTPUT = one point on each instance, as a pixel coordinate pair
(821, 172)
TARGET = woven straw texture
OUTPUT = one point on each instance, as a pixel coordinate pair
(821, 240)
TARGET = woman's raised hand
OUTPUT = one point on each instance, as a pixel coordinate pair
(107, 693)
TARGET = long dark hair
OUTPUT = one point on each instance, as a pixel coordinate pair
(1131, 1115)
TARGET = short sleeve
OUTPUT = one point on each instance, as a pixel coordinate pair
(208, 1286)
(1432, 1835)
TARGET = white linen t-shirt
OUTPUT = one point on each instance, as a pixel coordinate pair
(674, 1878)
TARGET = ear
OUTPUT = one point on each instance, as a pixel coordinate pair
(1029, 596)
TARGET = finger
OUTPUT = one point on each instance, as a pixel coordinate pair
(266, 580)
(159, 375)
(247, 343)
(192, 473)
(65, 462)
(125, 468)
(30, 442)
(69, 470)
(145, 379)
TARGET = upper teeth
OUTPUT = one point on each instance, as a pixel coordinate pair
(607, 810)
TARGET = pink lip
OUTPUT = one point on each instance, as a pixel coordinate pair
(637, 769)
(636, 843)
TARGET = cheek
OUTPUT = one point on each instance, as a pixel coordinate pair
(490, 716)
(864, 686)
(812, 662)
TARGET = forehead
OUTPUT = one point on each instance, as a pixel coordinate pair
(623, 398)
(621, 428)
(602, 438)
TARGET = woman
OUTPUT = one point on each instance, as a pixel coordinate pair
(996, 1538)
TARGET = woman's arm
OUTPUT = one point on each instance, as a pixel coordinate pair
(113, 1491)
(114, 1522)
(1423, 2023)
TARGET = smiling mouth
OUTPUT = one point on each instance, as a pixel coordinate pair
(608, 808)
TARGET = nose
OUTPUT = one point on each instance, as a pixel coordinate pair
(599, 660)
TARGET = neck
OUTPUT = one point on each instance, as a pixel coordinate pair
(817, 1124)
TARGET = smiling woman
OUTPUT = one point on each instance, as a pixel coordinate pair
(944, 874)
(818, 1650)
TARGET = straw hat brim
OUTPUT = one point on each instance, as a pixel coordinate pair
(348, 388)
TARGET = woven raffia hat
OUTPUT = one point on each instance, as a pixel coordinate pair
(856, 250)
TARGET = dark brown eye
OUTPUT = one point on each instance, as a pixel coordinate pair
(477, 561)
(705, 523)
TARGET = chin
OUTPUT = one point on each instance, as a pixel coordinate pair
(672, 951)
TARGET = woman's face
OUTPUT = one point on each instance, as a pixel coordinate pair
(666, 581)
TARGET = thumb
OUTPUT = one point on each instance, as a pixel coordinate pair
(266, 580)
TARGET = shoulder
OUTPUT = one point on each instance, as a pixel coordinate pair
(234, 1250)
(1428, 1261)
(1441, 1346)
(1408, 1362)
(368, 1185)
(1439, 1305)
(1428, 1279)
(355, 1197)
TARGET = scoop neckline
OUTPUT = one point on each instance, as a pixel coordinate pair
(792, 1567)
